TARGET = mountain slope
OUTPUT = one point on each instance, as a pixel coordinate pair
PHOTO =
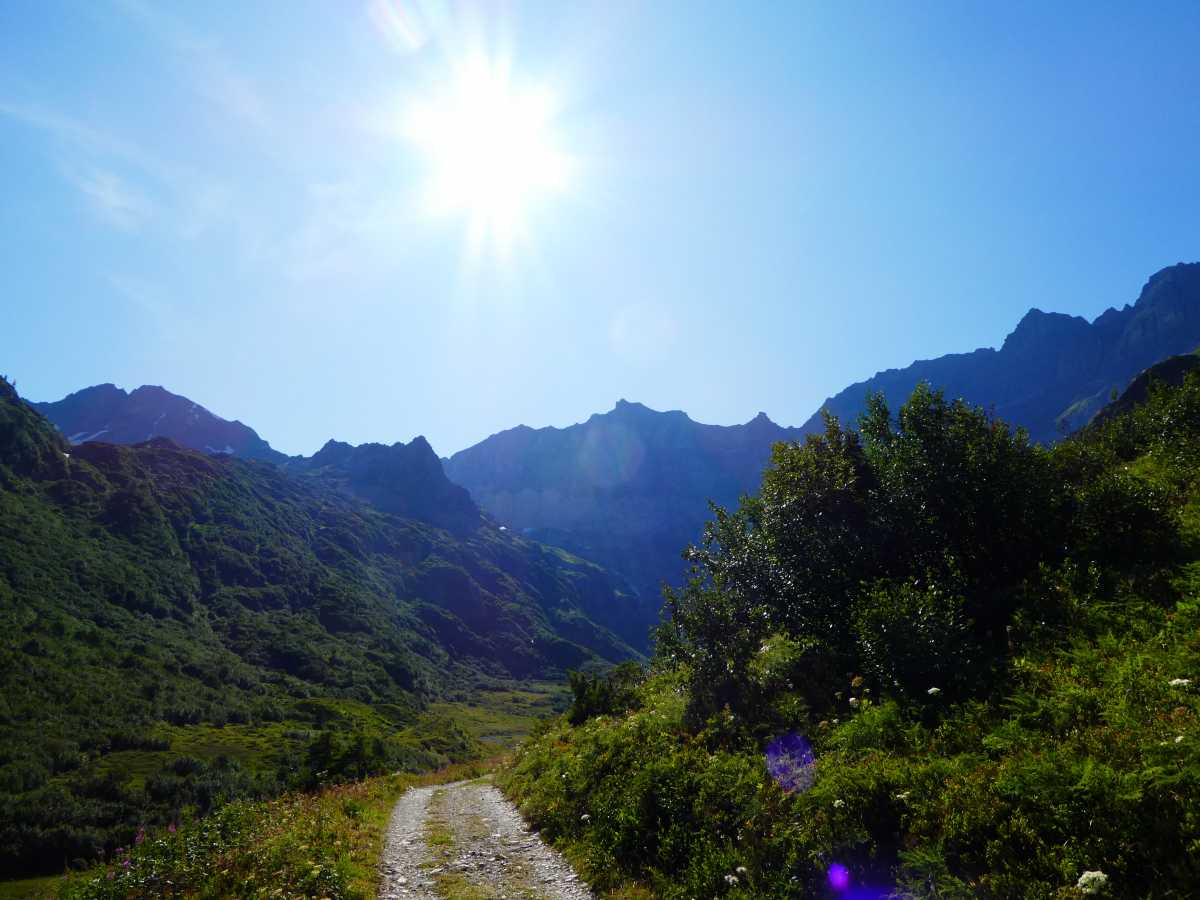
(1054, 372)
(107, 413)
(629, 488)
(159, 603)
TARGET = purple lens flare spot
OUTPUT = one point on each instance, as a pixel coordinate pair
(791, 763)
(839, 877)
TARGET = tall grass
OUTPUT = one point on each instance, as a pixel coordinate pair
(325, 844)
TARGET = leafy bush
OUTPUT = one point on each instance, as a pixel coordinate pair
(926, 660)
(604, 694)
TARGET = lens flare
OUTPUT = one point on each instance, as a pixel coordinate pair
(791, 763)
(492, 148)
(839, 877)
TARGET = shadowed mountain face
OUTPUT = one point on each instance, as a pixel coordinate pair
(107, 413)
(1054, 372)
(403, 479)
(629, 488)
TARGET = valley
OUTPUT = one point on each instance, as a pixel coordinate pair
(189, 628)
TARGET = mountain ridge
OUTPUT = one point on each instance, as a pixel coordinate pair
(107, 412)
(1054, 371)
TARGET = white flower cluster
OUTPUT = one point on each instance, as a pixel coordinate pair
(1092, 881)
(1179, 682)
(934, 691)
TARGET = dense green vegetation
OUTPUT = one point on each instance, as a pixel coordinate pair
(927, 658)
(179, 630)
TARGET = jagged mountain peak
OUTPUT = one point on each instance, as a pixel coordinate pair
(402, 479)
(1040, 331)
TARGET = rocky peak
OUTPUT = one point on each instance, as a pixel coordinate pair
(1042, 332)
(403, 479)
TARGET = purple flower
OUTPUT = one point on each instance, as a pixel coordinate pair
(791, 763)
(171, 828)
(141, 836)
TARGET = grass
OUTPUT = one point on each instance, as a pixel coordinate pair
(506, 716)
(324, 844)
(29, 888)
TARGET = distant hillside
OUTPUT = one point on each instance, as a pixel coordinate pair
(1054, 372)
(629, 488)
(159, 604)
(107, 413)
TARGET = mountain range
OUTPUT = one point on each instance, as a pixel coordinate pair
(630, 488)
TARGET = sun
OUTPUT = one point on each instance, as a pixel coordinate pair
(493, 152)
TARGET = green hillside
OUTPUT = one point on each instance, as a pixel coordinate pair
(178, 629)
(927, 659)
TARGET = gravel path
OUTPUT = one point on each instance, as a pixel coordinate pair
(464, 840)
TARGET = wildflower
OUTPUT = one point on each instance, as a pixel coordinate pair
(1179, 682)
(1179, 738)
(1092, 882)
(585, 817)
(731, 879)
(934, 691)
(856, 681)
(171, 828)
(903, 795)
(839, 803)
(854, 701)
(141, 836)
(741, 870)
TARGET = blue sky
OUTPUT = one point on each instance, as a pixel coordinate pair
(768, 201)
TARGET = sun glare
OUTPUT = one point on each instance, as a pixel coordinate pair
(493, 152)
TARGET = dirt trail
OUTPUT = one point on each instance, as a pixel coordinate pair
(464, 841)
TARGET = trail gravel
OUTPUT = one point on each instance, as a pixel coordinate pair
(465, 840)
